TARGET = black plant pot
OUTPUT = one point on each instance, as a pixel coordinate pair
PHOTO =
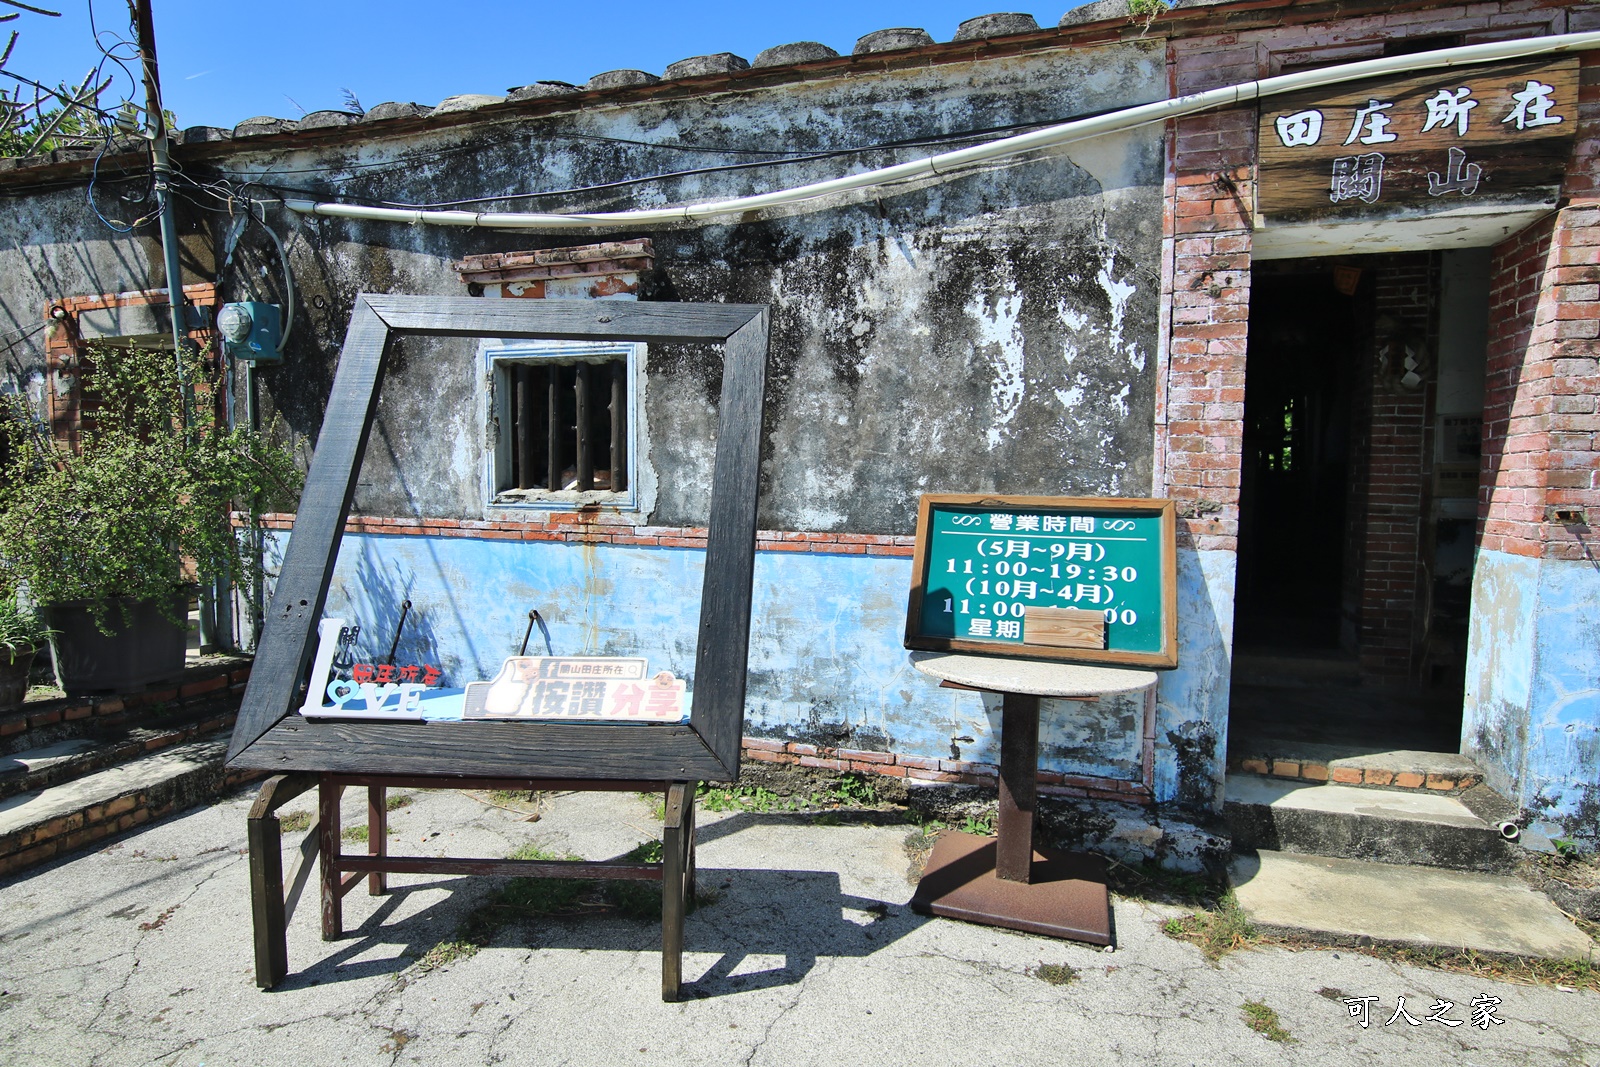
(14, 668)
(144, 645)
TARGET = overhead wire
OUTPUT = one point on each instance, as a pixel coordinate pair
(109, 128)
(21, 333)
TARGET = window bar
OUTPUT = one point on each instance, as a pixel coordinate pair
(553, 437)
(619, 439)
(522, 466)
(585, 462)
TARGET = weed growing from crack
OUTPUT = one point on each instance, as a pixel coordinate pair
(1147, 9)
(398, 1040)
(295, 821)
(522, 898)
(850, 790)
(445, 953)
(1526, 970)
(1264, 1021)
(744, 798)
(398, 800)
(658, 805)
(854, 789)
(1055, 973)
(637, 900)
(1216, 932)
(978, 825)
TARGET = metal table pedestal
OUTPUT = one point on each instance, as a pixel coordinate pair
(1006, 881)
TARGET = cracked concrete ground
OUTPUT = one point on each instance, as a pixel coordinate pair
(139, 953)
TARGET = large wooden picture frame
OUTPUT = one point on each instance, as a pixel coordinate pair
(268, 736)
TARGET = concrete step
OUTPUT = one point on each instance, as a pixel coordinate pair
(1353, 902)
(42, 824)
(48, 765)
(1389, 826)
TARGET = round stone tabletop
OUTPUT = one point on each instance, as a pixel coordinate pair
(1031, 676)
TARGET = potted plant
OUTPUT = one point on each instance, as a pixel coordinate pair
(107, 535)
(22, 634)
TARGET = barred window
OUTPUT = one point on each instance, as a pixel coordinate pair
(562, 422)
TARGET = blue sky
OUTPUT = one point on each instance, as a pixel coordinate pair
(222, 62)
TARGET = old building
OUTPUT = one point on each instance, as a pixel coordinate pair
(1351, 329)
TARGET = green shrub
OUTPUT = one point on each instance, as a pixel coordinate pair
(20, 629)
(153, 483)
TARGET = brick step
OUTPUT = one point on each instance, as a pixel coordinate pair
(1432, 772)
(40, 826)
(45, 722)
(40, 768)
(1382, 825)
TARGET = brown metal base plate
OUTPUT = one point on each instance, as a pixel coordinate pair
(1066, 898)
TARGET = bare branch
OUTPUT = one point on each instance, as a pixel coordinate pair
(80, 96)
(30, 7)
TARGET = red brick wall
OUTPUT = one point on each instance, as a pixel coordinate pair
(1540, 421)
(1397, 472)
(65, 352)
(1207, 223)
(1540, 430)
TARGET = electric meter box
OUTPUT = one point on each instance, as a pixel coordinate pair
(251, 331)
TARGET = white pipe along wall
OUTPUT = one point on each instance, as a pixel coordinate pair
(949, 162)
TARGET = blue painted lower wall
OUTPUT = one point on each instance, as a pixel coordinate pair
(826, 661)
(1532, 712)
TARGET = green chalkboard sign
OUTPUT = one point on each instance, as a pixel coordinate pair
(1083, 579)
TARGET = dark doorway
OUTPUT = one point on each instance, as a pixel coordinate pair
(1306, 339)
(1350, 606)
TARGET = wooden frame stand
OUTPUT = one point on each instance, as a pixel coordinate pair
(273, 903)
(333, 754)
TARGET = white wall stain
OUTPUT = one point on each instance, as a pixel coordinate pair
(1121, 293)
(1000, 342)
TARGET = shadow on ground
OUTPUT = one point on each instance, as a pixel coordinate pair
(751, 917)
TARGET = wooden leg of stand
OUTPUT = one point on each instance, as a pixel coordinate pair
(328, 848)
(266, 899)
(674, 846)
(377, 836)
(1019, 787)
(688, 834)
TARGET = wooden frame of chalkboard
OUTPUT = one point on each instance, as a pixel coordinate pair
(1080, 557)
(706, 748)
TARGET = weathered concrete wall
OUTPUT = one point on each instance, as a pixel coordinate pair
(990, 332)
(1192, 701)
(51, 247)
(1532, 712)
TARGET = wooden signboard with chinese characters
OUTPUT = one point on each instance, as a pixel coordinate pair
(1082, 579)
(1497, 135)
